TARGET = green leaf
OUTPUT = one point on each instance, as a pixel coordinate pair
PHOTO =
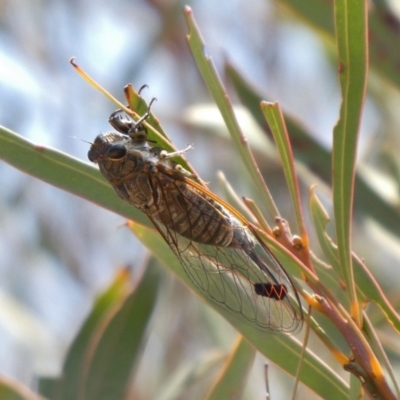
(100, 361)
(232, 381)
(216, 88)
(190, 373)
(63, 171)
(113, 355)
(273, 114)
(351, 31)
(69, 385)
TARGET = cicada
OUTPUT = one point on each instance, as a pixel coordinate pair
(218, 252)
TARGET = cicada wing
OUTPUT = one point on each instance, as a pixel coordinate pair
(239, 272)
(277, 287)
(264, 297)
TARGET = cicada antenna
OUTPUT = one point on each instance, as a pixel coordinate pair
(75, 137)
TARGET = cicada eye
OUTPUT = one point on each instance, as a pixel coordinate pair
(116, 152)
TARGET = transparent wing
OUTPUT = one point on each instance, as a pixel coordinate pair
(246, 280)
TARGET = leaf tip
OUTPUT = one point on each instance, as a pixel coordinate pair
(268, 104)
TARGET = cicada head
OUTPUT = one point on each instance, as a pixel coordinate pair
(116, 156)
(108, 146)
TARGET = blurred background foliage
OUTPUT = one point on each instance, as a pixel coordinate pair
(57, 252)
